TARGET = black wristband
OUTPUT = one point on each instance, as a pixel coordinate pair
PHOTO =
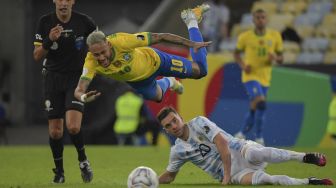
(47, 43)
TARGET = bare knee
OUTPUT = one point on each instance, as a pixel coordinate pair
(73, 121)
(73, 127)
(198, 72)
(247, 179)
(56, 128)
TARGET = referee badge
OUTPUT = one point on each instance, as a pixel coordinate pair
(54, 46)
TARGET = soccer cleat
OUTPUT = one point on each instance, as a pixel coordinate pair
(240, 135)
(315, 158)
(177, 86)
(316, 181)
(195, 13)
(86, 171)
(59, 176)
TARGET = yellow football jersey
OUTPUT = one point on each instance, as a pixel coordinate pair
(132, 60)
(257, 49)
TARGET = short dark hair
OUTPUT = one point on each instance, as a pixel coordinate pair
(164, 112)
(259, 10)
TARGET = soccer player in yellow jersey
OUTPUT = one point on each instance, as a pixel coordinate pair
(128, 57)
(261, 47)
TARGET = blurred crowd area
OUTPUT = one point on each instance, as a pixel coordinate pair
(307, 26)
(313, 22)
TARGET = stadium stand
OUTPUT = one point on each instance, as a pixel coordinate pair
(314, 21)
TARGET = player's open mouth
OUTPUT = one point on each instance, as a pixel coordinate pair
(104, 63)
(63, 9)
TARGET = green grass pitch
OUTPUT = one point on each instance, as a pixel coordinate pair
(30, 167)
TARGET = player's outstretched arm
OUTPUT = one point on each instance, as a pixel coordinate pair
(175, 39)
(167, 177)
(223, 149)
(82, 95)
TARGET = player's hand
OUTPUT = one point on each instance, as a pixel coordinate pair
(247, 69)
(274, 58)
(55, 32)
(199, 45)
(226, 180)
(271, 57)
(90, 96)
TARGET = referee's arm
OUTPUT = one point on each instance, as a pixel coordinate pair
(39, 52)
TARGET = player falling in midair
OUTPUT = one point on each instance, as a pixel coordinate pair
(127, 57)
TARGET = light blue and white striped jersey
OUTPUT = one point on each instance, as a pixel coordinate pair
(200, 148)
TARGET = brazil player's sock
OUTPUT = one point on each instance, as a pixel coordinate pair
(248, 122)
(259, 118)
(199, 57)
(78, 141)
(271, 155)
(261, 178)
(164, 83)
(57, 147)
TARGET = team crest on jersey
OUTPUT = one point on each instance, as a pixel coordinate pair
(201, 138)
(269, 42)
(261, 42)
(127, 57)
(54, 46)
(117, 63)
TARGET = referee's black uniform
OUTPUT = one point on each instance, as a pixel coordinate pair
(62, 68)
(64, 61)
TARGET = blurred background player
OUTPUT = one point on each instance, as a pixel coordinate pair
(127, 57)
(60, 41)
(133, 120)
(225, 158)
(261, 46)
(215, 24)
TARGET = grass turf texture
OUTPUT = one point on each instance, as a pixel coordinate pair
(30, 167)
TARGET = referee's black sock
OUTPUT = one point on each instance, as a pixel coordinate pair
(78, 141)
(57, 147)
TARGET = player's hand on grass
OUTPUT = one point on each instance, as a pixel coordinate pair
(90, 96)
(198, 45)
(226, 180)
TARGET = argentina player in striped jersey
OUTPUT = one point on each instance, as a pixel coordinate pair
(228, 159)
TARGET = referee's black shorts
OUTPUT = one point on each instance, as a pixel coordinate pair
(59, 91)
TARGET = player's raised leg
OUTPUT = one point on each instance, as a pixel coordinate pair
(191, 18)
(170, 82)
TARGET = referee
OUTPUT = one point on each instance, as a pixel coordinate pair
(60, 41)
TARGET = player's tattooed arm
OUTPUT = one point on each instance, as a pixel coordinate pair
(82, 95)
(175, 39)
